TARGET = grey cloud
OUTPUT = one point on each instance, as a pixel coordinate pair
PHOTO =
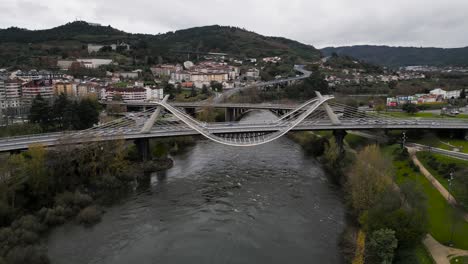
(319, 23)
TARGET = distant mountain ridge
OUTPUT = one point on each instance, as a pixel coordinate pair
(73, 36)
(403, 56)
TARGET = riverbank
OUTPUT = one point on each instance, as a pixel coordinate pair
(42, 189)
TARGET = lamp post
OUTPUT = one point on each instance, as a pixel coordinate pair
(450, 181)
(403, 140)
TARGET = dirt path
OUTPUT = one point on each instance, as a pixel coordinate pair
(441, 253)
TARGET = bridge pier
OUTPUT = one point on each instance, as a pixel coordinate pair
(229, 114)
(340, 135)
(143, 148)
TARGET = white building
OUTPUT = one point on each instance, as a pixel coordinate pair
(126, 75)
(94, 63)
(439, 91)
(10, 92)
(65, 64)
(453, 94)
(97, 47)
(154, 93)
(136, 94)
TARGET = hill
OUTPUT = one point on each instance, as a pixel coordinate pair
(18, 46)
(403, 56)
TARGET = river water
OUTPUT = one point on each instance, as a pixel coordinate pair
(218, 204)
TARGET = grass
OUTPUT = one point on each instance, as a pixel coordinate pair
(422, 115)
(459, 260)
(356, 142)
(437, 142)
(440, 213)
(459, 194)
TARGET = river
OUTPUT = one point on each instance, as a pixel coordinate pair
(218, 204)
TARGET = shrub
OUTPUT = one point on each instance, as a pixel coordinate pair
(30, 223)
(27, 255)
(64, 199)
(6, 214)
(89, 215)
(82, 200)
(55, 216)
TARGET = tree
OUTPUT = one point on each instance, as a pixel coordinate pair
(392, 84)
(369, 178)
(106, 49)
(40, 112)
(205, 90)
(88, 113)
(193, 92)
(58, 109)
(381, 246)
(410, 108)
(463, 94)
(332, 154)
(216, 86)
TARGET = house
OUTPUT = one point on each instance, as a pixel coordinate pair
(126, 75)
(272, 59)
(252, 74)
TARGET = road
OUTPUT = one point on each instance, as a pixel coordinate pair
(228, 93)
(177, 129)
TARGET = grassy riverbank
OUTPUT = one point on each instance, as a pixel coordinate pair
(440, 213)
(440, 167)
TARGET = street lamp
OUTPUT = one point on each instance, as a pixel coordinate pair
(450, 181)
(403, 140)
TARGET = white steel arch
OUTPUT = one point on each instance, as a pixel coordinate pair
(280, 127)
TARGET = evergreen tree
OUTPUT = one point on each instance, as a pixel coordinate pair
(87, 114)
(58, 110)
(40, 112)
(463, 94)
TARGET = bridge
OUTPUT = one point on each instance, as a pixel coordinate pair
(320, 113)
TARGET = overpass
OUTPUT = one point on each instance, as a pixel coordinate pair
(319, 113)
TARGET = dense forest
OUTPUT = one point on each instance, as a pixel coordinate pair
(403, 56)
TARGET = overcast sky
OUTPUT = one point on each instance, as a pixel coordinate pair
(439, 23)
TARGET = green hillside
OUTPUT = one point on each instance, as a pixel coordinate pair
(32, 47)
(403, 56)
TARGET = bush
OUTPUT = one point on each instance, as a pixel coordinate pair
(64, 199)
(30, 223)
(82, 200)
(6, 214)
(27, 255)
(55, 216)
(89, 216)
